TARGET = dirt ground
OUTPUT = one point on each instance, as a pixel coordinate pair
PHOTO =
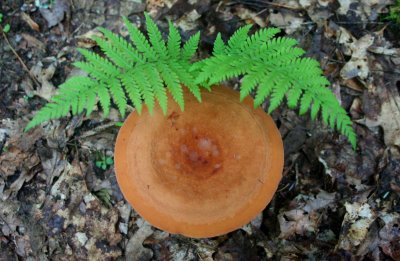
(59, 199)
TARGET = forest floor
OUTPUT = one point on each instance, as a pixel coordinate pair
(59, 199)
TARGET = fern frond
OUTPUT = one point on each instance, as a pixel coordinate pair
(174, 41)
(158, 86)
(144, 69)
(133, 91)
(104, 98)
(155, 37)
(172, 82)
(264, 90)
(278, 93)
(71, 95)
(219, 46)
(99, 63)
(190, 47)
(238, 38)
(124, 47)
(118, 96)
(273, 68)
(140, 41)
(145, 88)
(114, 54)
(186, 78)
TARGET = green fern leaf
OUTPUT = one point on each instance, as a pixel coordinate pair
(144, 70)
(305, 103)
(155, 37)
(186, 78)
(100, 64)
(145, 88)
(293, 97)
(249, 83)
(90, 102)
(238, 38)
(278, 94)
(315, 109)
(158, 86)
(114, 54)
(264, 90)
(219, 46)
(140, 41)
(118, 96)
(174, 41)
(124, 47)
(104, 98)
(172, 82)
(190, 47)
(133, 91)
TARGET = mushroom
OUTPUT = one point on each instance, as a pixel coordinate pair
(203, 172)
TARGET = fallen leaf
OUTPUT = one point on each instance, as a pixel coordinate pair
(305, 216)
(287, 20)
(188, 21)
(47, 89)
(390, 235)
(135, 249)
(355, 226)
(388, 119)
(87, 40)
(55, 13)
(32, 24)
(34, 42)
(358, 64)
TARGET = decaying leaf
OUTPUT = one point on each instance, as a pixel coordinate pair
(44, 75)
(388, 119)
(87, 40)
(134, 249)
(356, 224)
(358, 64)
(390, 235)
(55, 13)
(289, 21)
(306, 215)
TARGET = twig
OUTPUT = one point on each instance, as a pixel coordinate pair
(265, 3)
(19, 58)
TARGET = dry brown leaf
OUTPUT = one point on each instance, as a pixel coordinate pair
(390, 235)
(287, 20)
(55, 14)
(135, 249)
(44, 75)
(188, 21)
(34, 42)
(305, 217)
(246, 14)
(86, 40)
(32, 24)
(358, 64)
(388, 119)
(356, 224)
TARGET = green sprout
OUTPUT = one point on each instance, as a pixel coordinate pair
(394, 13)
(6, 27)
(104, 162)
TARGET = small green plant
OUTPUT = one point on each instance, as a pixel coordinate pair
(145, 69)
(6, 27)
(104, 162)
(104, 196)
(394, 13)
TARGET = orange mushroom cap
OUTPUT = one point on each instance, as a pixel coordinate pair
(203, 172)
